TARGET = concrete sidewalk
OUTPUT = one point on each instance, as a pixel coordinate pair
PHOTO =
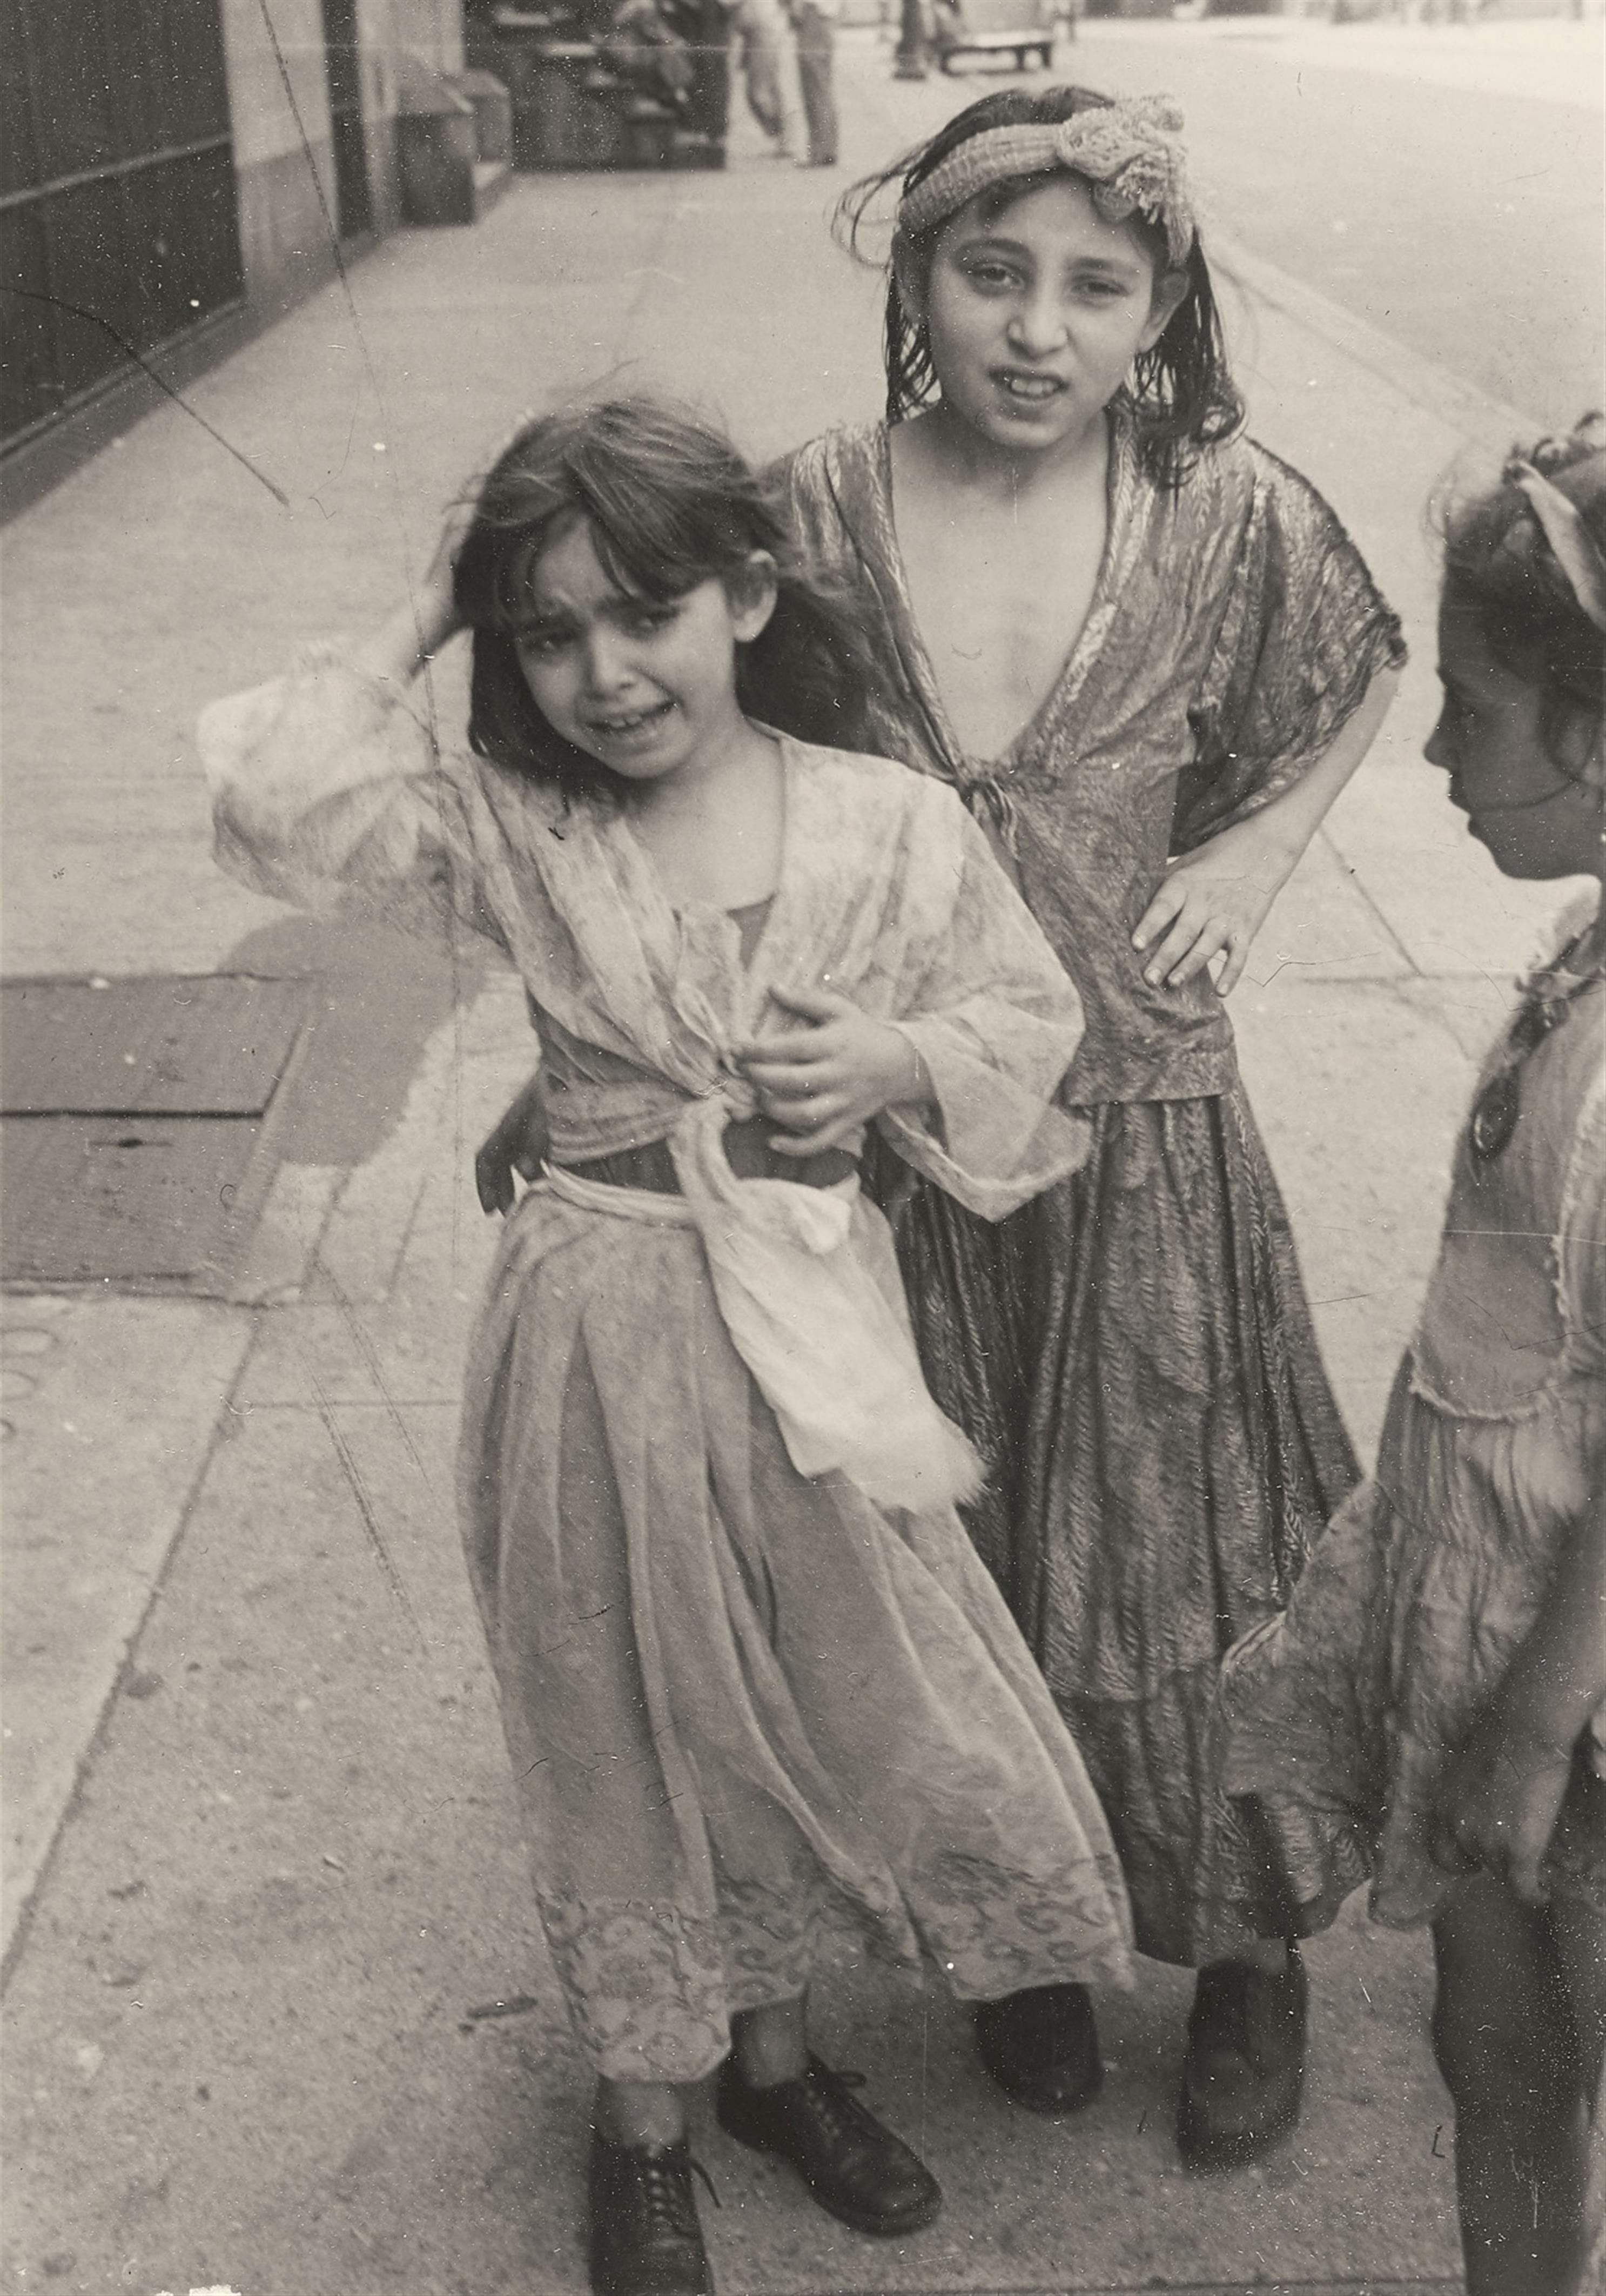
(279, 2016)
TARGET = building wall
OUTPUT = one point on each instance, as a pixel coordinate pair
(281, 143)
(283, 162)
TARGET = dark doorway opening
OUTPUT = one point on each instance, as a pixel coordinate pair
(353, 200)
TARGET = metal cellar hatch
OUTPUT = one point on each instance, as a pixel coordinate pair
(137, 1123)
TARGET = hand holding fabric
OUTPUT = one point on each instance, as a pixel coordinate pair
(823, 1084)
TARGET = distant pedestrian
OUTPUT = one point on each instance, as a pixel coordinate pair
(814, 22)
(769, 67)
(912, 57)
(704, 27)
(1150, 657)
(752, 1674)
(1433, 1710)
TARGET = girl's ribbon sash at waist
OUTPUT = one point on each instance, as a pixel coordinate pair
(645, 1205)
(824, 1334)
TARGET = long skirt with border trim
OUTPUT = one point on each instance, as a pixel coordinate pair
(1132, 1354)
(741, 1703)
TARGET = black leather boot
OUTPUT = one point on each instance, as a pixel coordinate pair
(1041, 2047)
(1244, 2072)
(858, 2171)
(645, 2239)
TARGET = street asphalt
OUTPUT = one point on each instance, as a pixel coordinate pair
(278, 2016)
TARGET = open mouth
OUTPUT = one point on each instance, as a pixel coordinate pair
(1030, 390)
(625, 724)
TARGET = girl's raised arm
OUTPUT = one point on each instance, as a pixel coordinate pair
(1214, 901)
(1303, 668)
(329, 786)
(415, 633)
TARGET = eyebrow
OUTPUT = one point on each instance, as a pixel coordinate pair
(539, 619)
(1118, 265)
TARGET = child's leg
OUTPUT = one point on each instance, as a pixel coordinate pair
(645, 2238)
(640, 2112)
(1505, 2040)
(771, 2043)
(774, 2096)
(1579, 1928)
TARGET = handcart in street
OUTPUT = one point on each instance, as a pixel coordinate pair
(1023, 28)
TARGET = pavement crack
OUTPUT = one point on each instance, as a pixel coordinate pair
(365, 1348)
(367, 1509)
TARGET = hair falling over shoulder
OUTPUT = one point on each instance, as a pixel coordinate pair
(669, 504)
(1527, 558)
(1181, 394)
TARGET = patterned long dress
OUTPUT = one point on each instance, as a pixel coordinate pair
(1133, 1353)
(1338, 1718)
(753, 1675)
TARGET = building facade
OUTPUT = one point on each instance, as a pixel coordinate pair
(177, 174)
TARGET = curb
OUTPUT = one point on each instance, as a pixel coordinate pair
(1490, 423)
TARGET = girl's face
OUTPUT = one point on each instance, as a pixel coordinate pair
(1535, 819)
(645, 686)
(1035, 317)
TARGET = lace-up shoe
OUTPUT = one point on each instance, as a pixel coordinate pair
(1041, 2046)
(1243, 2075)
(645, 2239)
(859, 2172)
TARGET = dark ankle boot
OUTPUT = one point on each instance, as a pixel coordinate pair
(645, 2239)
(1244, 2072)
(859, 2172)
(1041, 2047)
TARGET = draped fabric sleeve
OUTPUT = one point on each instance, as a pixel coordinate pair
(1581, 1244)
(1304, 632)
(328, 792)
(996, 1021)
(804, 497)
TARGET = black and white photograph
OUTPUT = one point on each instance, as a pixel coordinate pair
(803, 1151)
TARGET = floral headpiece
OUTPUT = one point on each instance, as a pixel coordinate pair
(1575, 547)
(1127, 152)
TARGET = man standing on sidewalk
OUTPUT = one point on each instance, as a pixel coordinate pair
(815, 24)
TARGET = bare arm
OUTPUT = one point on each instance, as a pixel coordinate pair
(409, 638)
(1214, 902)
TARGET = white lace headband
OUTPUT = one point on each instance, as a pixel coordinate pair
(1568, 536)
(1128, 152)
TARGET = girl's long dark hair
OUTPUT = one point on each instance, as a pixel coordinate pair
(1180, 395)
(1499, 564)
(670, 503)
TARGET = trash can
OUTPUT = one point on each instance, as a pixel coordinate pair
(493, 115)
(436, 146)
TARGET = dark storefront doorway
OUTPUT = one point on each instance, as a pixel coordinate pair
(353, 203)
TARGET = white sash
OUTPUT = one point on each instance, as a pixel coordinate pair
(830, 1352)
